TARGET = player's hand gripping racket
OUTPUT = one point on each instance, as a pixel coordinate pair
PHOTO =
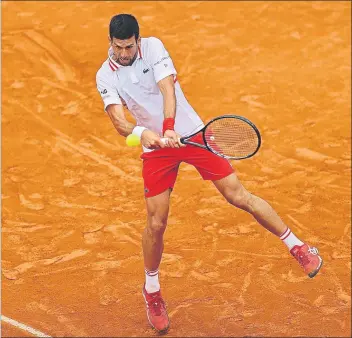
(230, 136)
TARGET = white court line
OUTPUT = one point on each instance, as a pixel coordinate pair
(23, 327)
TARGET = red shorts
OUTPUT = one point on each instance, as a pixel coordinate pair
(160, 167)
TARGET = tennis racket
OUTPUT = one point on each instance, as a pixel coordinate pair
(230, 136)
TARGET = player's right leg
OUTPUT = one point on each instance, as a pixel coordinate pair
(153, 245)
(159, 173)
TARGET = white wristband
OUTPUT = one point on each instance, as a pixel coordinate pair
(137, 130)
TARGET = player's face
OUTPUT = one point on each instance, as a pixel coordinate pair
(125, 50)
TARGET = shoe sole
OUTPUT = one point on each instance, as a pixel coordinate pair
(163, 331)
(312, 274)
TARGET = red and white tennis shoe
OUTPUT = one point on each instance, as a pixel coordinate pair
(308, 257)
(156, 311)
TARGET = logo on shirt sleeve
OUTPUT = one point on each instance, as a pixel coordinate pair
(162, 59)
(104, 91)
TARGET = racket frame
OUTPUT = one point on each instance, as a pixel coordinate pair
(185, 139)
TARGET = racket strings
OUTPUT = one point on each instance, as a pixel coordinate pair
(231, 137)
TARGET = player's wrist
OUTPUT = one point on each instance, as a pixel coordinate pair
(138, 131)
(168, 124)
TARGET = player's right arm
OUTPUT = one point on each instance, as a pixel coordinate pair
(118, 119)
(113, 107)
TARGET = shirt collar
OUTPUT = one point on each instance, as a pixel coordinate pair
(114, 65)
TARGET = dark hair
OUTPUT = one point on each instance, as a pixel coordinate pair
(123, 26)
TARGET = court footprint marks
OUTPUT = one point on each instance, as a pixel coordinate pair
(39, 50)
(62, 315)
(16, 272)
(31, 205)
(173, 266)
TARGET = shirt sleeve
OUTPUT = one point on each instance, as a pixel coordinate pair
(160, 60)
(107, 90)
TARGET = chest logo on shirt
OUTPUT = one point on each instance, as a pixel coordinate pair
(104, 91)
(146, 70)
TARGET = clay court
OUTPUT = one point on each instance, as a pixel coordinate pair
(73, 208)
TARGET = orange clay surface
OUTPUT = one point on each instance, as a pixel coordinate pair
(73, 209)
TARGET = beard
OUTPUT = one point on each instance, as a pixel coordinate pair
(126, 61)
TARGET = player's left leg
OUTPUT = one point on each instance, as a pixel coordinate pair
(234, 192)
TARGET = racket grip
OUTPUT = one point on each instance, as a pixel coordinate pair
(165, 140)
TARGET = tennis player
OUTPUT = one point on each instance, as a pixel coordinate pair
(140, 75)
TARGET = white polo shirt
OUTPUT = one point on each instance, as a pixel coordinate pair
(136, 87)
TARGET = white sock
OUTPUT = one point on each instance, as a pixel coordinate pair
(152, 281)
(290, 239)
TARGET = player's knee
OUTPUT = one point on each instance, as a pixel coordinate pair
(240, 198)
(157, 225)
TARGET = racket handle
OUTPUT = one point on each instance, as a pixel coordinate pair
(165, 140)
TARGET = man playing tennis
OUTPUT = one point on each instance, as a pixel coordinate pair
(139, 74)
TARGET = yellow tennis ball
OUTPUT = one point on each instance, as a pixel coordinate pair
(133, 140)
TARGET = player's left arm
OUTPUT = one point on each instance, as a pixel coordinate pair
(167, 89)
(165, 74)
